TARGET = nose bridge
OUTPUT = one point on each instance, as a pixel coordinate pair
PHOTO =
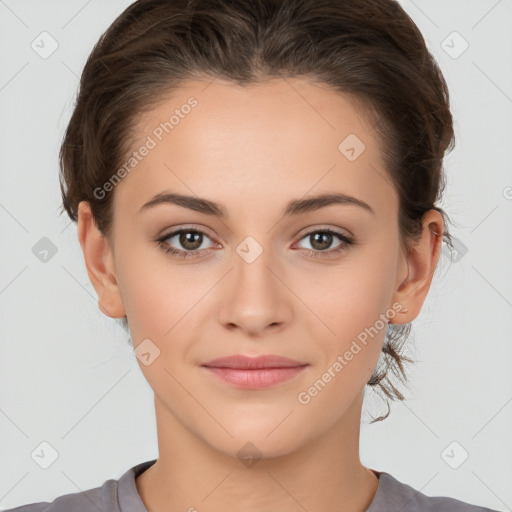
(254, 297)
(251, 272)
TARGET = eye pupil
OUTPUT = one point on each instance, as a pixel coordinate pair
(188, 240)
(325, 240)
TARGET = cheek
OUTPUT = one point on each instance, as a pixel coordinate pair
(156, 293)
(348, 299)
(346, 309)
(349, 338)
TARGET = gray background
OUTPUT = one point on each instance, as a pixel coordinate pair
(67, 374)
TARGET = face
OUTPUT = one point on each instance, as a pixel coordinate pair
(269, 275)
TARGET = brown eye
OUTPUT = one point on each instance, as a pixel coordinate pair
(189, 242)
(321, 240)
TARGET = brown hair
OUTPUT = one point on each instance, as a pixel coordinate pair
(368, 49)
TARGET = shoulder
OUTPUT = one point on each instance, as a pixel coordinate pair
(113, 496)
(395, 495)
(100, 498)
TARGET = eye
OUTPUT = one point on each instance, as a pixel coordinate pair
(321, 240)
(190, 239)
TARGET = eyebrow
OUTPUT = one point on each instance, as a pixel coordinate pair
(295, 207)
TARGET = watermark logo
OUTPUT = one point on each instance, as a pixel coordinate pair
(45, 45)
(249, 249)
(249, 454)
(146, 352)
(44, 250)
(454, 455)
(351, 147)
(454, 45)
(456, 253)
(44, 455)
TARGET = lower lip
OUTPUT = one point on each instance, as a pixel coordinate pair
(255, 379)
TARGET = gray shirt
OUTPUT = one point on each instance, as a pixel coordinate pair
(122, 496)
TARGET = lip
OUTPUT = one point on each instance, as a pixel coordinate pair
(243, 362)
(249, 372)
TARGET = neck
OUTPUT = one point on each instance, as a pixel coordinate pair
(324, 474)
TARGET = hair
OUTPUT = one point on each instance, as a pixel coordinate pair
(369, 50)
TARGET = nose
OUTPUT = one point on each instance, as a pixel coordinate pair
(253, 297)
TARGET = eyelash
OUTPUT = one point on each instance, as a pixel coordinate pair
(347, 242)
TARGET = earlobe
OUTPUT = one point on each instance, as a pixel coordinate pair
(99, 262)
(421, 262)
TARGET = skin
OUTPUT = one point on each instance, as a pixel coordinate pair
(253, 150)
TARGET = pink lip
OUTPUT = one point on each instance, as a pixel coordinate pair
(254, 372)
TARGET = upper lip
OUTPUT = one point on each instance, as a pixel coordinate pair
(240, 361)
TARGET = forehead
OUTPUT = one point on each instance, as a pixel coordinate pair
(281, 139)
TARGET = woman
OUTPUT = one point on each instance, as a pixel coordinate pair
(255, 187)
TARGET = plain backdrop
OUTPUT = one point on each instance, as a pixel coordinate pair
(69, 379)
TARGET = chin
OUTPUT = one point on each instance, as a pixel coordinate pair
(251, 450)
(258, 441)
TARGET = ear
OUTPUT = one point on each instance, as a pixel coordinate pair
(421, 263)
(99, 262)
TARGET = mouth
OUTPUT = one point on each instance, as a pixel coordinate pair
(248, 372)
